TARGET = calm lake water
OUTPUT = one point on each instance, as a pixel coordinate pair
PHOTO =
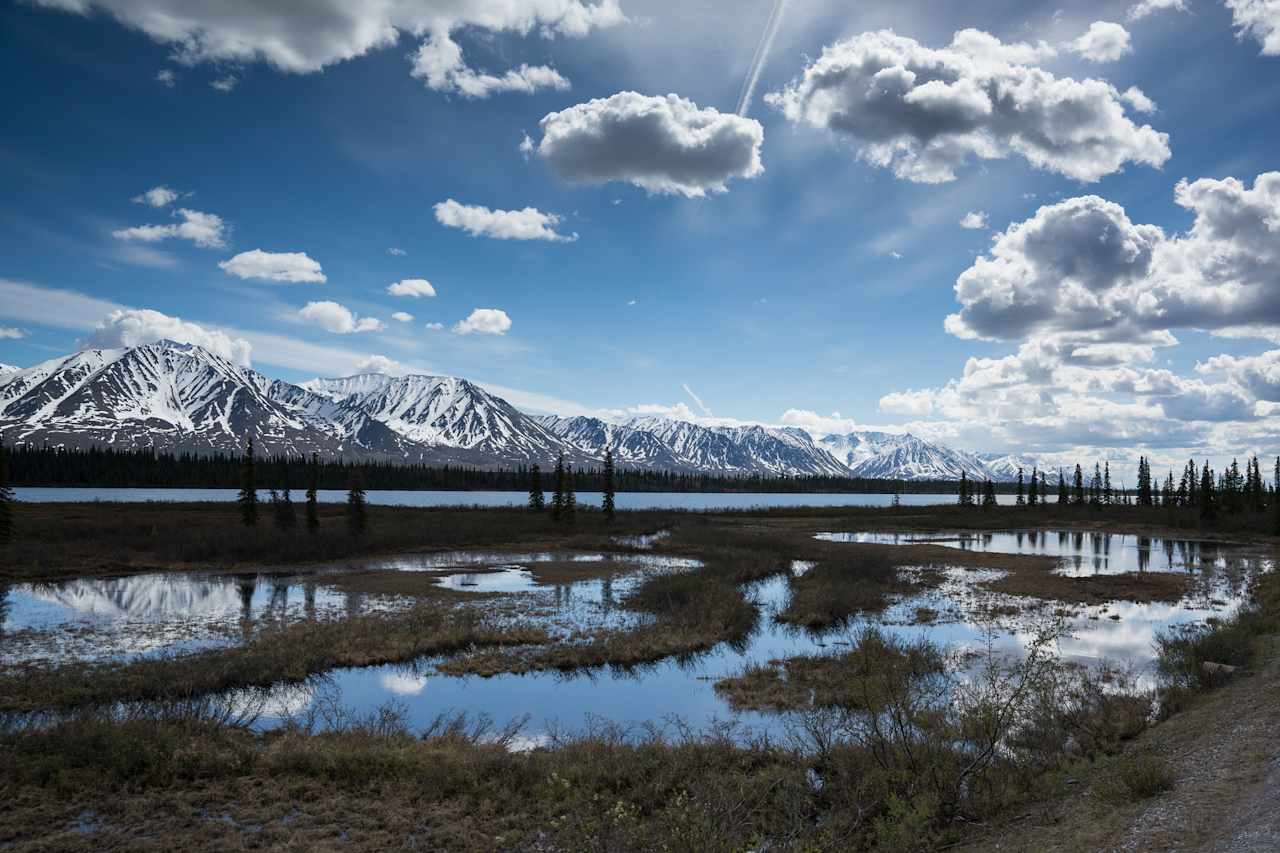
(152, 614)
(625, 500)
(1081, 552)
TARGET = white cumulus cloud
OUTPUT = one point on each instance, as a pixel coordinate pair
(1104, 41)
(414, 287)
(1143, 9)
(402, 317)
(1259, 20)
(287, 267)
(484, 321)
(160, 196)
(206, 230)
(665, 145)
(134, 327)
(382, 364)
(478, 221)
(337, 318)
(925, 112)
(974, 220)
(11, 333)
(308, 35)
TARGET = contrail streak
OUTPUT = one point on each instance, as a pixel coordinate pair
(761, 54)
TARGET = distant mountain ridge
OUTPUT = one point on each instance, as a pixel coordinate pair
(180, 397)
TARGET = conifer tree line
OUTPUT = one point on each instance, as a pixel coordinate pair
(143, 468)
(283, 513)
(1198, 487)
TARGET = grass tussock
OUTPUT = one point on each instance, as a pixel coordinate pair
(840, 680)
(1134, 778)
(841, 586)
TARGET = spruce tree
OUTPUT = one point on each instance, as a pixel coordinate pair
(608, 504)
(1208, 498)
(1021, 499)
(313, 494)
(357, 512)
(248, 498)
(558, 496)
(537, 501)
(1107, 494)
(964, 499)
(988, 495)
(1077, 487)
(1033, 491)
(1095, 486)
(1275, 496)
(1062, 489)
(6, 499)
(570, 498)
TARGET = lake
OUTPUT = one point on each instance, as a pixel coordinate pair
(625, 500)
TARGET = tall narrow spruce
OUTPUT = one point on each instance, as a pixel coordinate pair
(609, 487)
(248, 498)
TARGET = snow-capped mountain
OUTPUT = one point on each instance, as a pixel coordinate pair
(181, 397)
(165, 395)
(1004, 466)
(904, 457)
(7, 369)
(633, 447)
(447, 411)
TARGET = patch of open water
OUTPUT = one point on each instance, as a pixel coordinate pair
(1080, 552)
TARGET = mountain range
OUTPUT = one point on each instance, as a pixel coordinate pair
(182, 398)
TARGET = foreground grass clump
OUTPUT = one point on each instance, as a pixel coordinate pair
(1194, 659)
(841, 680)
(842, 585)
(1134, 778)
(289, 654)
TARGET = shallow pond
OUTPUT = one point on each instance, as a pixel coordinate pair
(139, 615)
(962, 616)
(1081, 553)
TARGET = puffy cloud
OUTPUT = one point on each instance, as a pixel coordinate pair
(134, 327)
(1104, 41)
(160, 196)
(382, 364)
(309, 35)
(526, 146)
(974, 220)
(1083, 265)
(484, 321)
(1065, 268)
(1149, 7)
(206, 230)
(398, 253)
(434, 327)
(166, 78)
(288, 267)
(664, 145)
(912, 403)
(1091, 295)
(225, 84)
(1136, 98)
(819, 425)
(11, 333)
(337, 318)
(439, 64)
(925, 112)
(527, 224)
(1259, 20)
(414, 287)
(402, 317)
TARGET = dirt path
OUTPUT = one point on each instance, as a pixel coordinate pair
(1225, 753)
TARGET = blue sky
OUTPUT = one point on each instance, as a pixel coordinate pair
(809, 289)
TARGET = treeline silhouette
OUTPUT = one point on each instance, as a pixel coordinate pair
(144, 468)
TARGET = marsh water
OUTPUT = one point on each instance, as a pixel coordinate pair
(154, 614)
(1080, 552)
